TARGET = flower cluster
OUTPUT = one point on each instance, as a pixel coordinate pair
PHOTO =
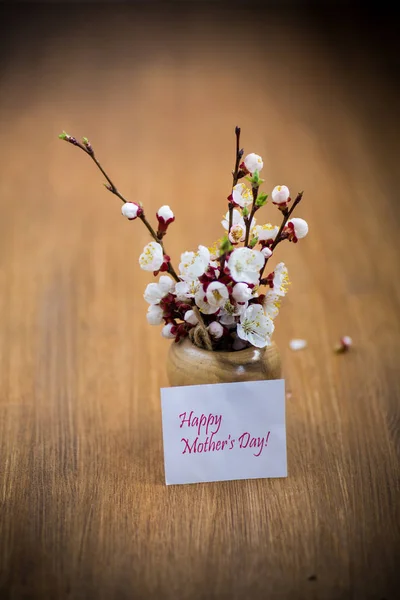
(226, 290)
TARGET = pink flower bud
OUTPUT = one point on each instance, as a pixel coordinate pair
(346, 340)
(165, 216)
(345, 344)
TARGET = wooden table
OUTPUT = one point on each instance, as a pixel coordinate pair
(84, 512)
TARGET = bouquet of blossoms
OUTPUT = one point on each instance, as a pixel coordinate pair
(223, 297)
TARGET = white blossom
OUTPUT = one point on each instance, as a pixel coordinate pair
(280, 194)
(255, 327)
(166, 331)
(215, 329)
(190, 317)
(245, 264)
(216, 266)
(152, 293)
(265, 232)
(271, 304)
(204, 306)
(214, 251)
(155, 292)
(281, 279)
(217, 294)
(165, 213)
(241, 292)
(300, 227)
(253, 162)
(152, 257)
(237, 234)
(229, 312)
(194, 264)
(237, 219)
(242, 195)
(130, 210)
(226, 318)
(186, 289)
(166, 284)
(154, 314)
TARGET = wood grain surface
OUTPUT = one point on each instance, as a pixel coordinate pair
(84, 512)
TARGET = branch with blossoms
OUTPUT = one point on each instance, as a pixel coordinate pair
(215, 297)
(155, 255)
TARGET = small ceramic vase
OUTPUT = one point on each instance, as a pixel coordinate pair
(189, 365)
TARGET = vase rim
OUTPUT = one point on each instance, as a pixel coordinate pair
(242, 352)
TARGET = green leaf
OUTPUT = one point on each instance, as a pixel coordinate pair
(255, 180)
(253, 242)
(63, 135)
(225, 246)
(245, 211)
(261, 200)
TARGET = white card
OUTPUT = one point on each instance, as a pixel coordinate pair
(224, 431)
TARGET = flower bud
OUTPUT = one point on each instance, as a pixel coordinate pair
(131, 210)
(87, 145)
(154, 315)
(344, 346)
(346, 340)
(165, 216)
(215, 329)
(267, 252)
(190, 317)
(68, 138)
(280, 195)
(253, 162)
(165, 284)
(241, 292)
(155, 292)
(167, 331)
(298, 228)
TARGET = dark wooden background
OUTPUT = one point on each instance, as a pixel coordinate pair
(84, 512)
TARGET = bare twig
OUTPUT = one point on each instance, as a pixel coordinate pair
(251, 215)
(235, 173)
(87, 148)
